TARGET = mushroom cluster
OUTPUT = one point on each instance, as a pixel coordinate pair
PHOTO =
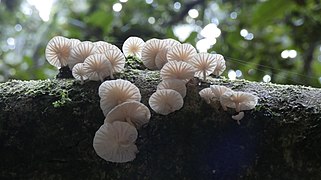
(87, 60)
(227, 98)
(124, 114)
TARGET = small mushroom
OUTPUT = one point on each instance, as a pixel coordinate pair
(161, 57)
(177, 70)
(74, 42)
(220, 65)
(106, 47)
(58, 51)
(100, 43)
(182, 52)
(117, 60)
(150, 50)
(175, 84)
(79, 72)
(133, 47)
(238, 117)
(115, 92)
(134, 112)
(218, 91)
(97, 67)
(207, 95)
(204, 63)
(165, 101)
(115, 142)
(238, 100)
(80, 52)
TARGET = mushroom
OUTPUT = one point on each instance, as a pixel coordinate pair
(238, 100)
(97, 67)
(115, 92)
(238, 117)
(161, 57)
(80, 52)
(220, 65)
(134, 113)
(117, 60)
(207, 95)
(133, 47)
(115, 142)
(150, 50)
(175, 84)
(106, 47)
(177, 70)
(74, 42)
(204, 63)
(79, 72)
(100, 43)
(165, 101)
(218, 91)
(182, 52)
(58, 51)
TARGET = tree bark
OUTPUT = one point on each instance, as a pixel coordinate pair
(47, 128)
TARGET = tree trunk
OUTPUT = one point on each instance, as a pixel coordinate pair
(47, 128)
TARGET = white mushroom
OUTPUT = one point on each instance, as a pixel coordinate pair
(220, 65)
(183, 52)
(115, 142)
(238, 117)
(58, 51)
(79, 72)
(175, 84)
(207, 95)
(133, 47)
(238, 100)
(204, 63)
(218, 91)
(161, 57)
(134, 112)
(115, 92)
(117, 60)
(150, 50)
(177, 70)
(165, 101)
(97, 67)
(80, 52)
(106, 47)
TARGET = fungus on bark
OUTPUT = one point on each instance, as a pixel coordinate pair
(133, 47)
(115, 142)
(79, 73)
(238, 117)
(220, 65)
(174, 84)
(134, 113)
(218, 91)
(177, 70)
(58, 51)
(106, 47)
(117, 60)
(115, 92)
(150, 50)
(204, 63)
(182, 52)
(97, 67)
(165, 101)
(80, 52)
(207, 95)
(238, 100)
(161, 57)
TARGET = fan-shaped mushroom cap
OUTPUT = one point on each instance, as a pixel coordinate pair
(204, 63)
(133, 47)
(220, 66)
(134, 112)
(117, 60)
(79, 72)
(207, 95)
(97, 67)
(238, 100)
(175, 84)
(238, 117)
(161, 57)
(165, 101)
(100, 43)
(106, 47)
(218, 91)
(115, 92)
(74, 42)
(150, 50)
(58, 51)
(177, 70)
(115, 142)
(182, 52)
(80, 52)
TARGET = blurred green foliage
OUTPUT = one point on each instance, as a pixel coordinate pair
(270, 27)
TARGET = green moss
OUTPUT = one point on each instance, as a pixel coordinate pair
(64, 99)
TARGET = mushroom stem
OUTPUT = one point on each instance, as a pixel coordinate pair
(101, 77)
(204, 75)
(81, 80)
(237, 106)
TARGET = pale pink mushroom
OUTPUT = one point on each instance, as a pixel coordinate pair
(182, 52)
(175, 84)
(207, 95)
(106, 47)
(238, 117)
(177, 70)
(80, 52)
(117, 60)
(161, 57)
(238, 100)
(204, 63)
(58, 51)
(79, 73)
(218, 91)
(165, 101)
(220, 65)
(133, 47)
(150, 50)
(97, 67)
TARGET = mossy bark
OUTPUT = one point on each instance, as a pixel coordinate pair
(47, 128)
